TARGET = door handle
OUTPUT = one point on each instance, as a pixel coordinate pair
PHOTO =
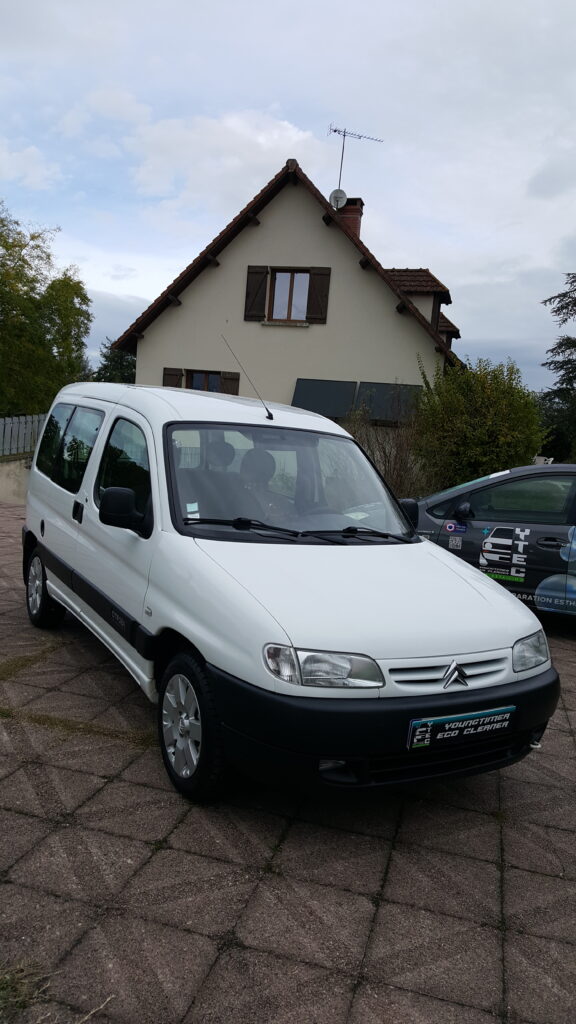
(552, 543)
(77, 511)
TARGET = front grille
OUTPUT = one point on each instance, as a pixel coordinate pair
(424, 677)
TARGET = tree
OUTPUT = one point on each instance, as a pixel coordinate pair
(115, 366)
(44, 320)
(559, 402)
(475, 420)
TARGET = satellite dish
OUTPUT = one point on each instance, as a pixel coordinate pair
(338, 198)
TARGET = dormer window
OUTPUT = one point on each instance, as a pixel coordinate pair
(287, 295)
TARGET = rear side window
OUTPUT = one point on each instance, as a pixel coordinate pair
(125, 464)
(52, 437)
(75, 449)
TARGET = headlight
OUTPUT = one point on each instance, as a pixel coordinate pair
(322, 668)
(530, 652)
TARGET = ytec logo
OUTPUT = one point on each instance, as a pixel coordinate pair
(454, 676)
(503, 552)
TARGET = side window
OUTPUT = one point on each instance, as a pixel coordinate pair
(52, 436)
(533, 500)
(77, 444)
(441, 510)
(125, 464)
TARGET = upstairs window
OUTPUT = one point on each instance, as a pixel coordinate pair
(287, 294)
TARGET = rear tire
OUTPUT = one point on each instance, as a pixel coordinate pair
(189, 730)
(43, 611)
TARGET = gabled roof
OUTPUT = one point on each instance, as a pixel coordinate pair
(419, 282)
(293, 174)
(445, 326)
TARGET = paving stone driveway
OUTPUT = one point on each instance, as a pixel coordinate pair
(450, 903)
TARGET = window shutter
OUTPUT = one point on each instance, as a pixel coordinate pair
(171, 378)
(256, 286)
(230, 383)
(317, 310)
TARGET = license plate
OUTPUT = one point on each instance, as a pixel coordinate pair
(439, 732)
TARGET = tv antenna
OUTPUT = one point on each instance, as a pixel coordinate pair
(347, 134)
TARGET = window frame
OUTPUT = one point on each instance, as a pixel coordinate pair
(288, 319)
(57, 478)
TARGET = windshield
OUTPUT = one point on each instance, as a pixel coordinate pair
(295, 479)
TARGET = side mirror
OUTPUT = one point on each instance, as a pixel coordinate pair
(118, 508)
(410, 510)
(463, 511)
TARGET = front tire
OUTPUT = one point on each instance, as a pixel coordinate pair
(189, 729)
(43, 611)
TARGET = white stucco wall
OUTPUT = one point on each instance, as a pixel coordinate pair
(364, 337)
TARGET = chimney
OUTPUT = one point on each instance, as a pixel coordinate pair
(351, 214)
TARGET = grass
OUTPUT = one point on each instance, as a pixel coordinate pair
(20, 987)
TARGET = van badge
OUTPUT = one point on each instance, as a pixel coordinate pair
(453, 676)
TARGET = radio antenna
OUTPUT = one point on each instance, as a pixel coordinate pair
(269, 415)
(346, 133)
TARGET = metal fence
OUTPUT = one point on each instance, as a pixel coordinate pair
(18, 434)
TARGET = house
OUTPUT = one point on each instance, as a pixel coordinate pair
(288, 295)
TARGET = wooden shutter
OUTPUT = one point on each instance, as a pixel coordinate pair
(256, 286)
(171, 378)
(317, 310)
(230, 383)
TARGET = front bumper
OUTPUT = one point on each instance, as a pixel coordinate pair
(364, 741)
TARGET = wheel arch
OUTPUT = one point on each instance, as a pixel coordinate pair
(29, 542)
(168, 644)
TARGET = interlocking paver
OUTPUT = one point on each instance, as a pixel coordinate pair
(237, 834)
(444, 883)
(549, 851)
(436, 955)
(537, 804)
(452, 829)
(150, 971)
(191, 892)
(18, 834)
(541, 980)
(325, 925)
(344, 859)
(540, 905)
(38, 928)
(248, 986)
(381, 1004)
(136, 811)
(81, 864)
(47, 791)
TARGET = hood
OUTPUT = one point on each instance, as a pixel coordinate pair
(383, 600)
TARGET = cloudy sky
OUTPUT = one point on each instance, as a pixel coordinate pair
(141, 128)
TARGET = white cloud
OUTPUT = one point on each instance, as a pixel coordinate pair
(27, 167)
(209, 160)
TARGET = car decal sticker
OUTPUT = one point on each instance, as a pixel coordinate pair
(452, 527)
(503, 553)
(455, 543)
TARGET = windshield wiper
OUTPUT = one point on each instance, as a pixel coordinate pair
(353, 531)
(240, 523)
(357, 531)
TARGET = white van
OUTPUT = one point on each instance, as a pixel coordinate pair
(250, 568)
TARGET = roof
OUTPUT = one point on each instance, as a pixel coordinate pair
(445, 326)
(291, 173)
(161, 405)
(418, 282)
